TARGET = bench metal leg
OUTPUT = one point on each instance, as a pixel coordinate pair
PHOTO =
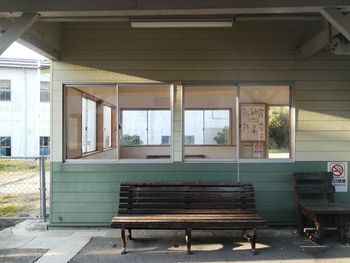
(188, 240)
(341, 229)
(251, 238)
(129, 235)
(122, 233)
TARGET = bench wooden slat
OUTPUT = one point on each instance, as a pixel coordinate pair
(187, 205)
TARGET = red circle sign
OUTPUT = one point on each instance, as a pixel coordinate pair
(337, 170)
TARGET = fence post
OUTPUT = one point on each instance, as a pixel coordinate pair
(42, 188)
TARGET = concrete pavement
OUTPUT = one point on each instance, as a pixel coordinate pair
(86, 245)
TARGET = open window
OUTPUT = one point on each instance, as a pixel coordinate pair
(265, 121)
(145, 121)
(90, 121)
(210, 122)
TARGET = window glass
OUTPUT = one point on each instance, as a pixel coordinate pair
(44, 145)
(145, 121)
(5, 146)
(88, 125)
(134, 126)
(210, 122)
(90, 115)
(265, 122)
(44, 91)
(107, 127)
(5, 90)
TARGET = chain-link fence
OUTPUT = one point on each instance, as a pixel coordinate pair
(24, 187)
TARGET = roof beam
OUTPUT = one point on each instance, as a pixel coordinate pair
(313, 45)
(338, 20)
(130, 8)
(29, 40)
(16, 30)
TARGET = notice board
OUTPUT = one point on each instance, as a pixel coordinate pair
(253, 122)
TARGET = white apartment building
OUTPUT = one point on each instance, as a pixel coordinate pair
(24, 107)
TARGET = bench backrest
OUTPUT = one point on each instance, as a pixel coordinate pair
(316, 184)
(186, 198)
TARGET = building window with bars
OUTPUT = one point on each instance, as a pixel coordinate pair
(44, 91)
(5, 90)
(44, 145)
(5, 146)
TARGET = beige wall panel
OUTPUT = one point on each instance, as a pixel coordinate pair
(323, 136)
(326, 85)
(322, 95)
(323, 146)
(248, 52)
(305, 115)
(322, 156)
(323, 126)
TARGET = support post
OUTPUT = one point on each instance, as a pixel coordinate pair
(42, 188)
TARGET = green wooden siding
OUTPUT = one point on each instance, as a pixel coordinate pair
(89, 193)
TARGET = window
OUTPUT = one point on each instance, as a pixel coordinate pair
(44, 143)
(5, 90)
(210, 127)
(209, 122)
(44, 91)
(88, 125)
(90, 122)
(145, 122)
(5, 146)
(265, 122)
(147, 127)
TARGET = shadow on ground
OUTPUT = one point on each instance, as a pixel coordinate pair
(169, 246)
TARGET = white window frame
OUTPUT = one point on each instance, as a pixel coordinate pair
(147, 110)
(291, 122)
(291, 159)
(204, 110)
(171, 159)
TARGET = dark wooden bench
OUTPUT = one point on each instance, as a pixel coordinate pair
(188, 206)
(314, 199)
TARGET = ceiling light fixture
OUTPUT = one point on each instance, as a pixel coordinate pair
(180, 23)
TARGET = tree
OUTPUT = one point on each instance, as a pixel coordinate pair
(279, 128)
(131, 139)
(222, 136)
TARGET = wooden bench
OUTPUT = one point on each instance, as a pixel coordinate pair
(188, 206)
(323, 215)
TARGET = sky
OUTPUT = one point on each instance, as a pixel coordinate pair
(17, 50)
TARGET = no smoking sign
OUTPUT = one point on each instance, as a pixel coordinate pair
(340, 180)
(337, 170)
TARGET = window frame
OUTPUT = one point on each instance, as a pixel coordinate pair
(44, 92)
(291, 86)
(238, 158)
(6, 90)
(88, 97)
(44, 146)
(121, 110)
(203, 110)
(291, 126)
(6, 146)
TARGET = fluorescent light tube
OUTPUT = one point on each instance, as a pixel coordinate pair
(175, 24)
